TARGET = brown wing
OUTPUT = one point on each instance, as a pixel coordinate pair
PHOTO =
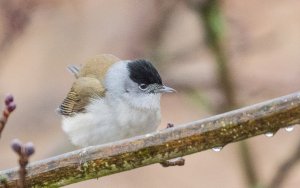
(88, 85)
(98, 66)
(83, 90)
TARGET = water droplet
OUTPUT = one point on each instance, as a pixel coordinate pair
(289, 128)
(269, 134)
(217, 149)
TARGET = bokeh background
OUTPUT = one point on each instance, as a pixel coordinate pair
(219, 55)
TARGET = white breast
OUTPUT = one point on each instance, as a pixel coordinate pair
(107, 121)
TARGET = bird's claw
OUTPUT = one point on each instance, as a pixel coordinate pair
(170, 125)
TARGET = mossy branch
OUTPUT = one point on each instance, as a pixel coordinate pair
(98, 161)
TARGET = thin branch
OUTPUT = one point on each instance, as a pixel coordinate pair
(285, 168)
(211, 15)
(10, 106)
(216, 131)
(213, 24)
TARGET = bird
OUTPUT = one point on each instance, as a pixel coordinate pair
(112, 99)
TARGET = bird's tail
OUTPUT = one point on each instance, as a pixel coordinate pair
(74, 69)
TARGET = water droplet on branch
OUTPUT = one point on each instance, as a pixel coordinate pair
(289, 128)
(269, 134)
(217, 149)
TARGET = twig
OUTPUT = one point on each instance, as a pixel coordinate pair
(210, 12)
(157, 147)
(179, 161)
(10, 106)
(173, 162)
(285, 168)
(24, 152)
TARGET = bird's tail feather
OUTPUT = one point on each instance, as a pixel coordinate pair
(74, 70)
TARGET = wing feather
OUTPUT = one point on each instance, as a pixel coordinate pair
(83, 90)
(88, 85)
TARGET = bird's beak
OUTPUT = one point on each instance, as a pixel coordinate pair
(165, 89)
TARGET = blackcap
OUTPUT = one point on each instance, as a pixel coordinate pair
(112, 99)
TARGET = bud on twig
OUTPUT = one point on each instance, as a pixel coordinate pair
(24, 151)
(16, 145)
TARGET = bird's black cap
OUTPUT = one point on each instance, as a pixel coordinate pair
(143, 72)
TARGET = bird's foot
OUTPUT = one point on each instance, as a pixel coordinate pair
(170, 125)
(179, 161)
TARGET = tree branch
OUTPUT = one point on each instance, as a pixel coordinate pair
(216, 131)
(285, 169)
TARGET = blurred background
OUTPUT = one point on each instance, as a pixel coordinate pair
(218, 55)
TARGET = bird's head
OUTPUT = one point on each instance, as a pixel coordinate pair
(136, 82)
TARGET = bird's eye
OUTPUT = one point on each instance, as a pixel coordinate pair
(143, 86)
